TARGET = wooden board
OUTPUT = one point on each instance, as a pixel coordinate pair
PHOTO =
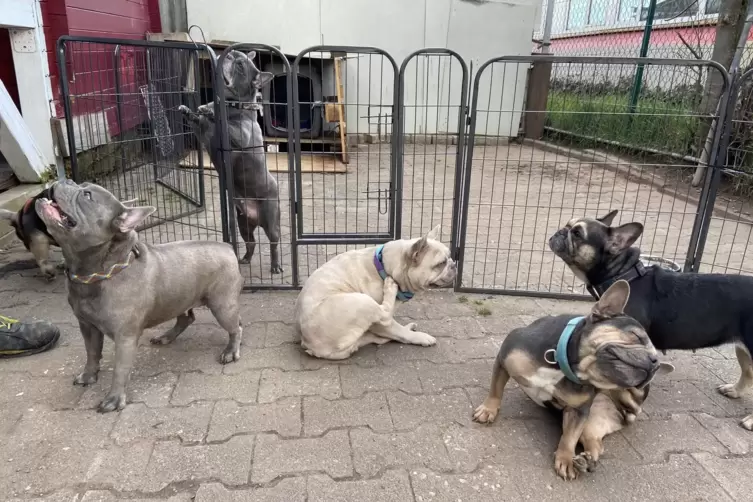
(341, 110)
(278, 163)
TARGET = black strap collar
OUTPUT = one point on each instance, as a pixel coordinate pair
(243, 105)
(634, 272)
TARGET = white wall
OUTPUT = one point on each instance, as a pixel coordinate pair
(477, 30)
(24, 20)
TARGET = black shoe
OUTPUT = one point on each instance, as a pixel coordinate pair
(23, 338)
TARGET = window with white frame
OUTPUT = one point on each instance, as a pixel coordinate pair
(713, 6)
(671, 9)
(629, 10)
(583, 13)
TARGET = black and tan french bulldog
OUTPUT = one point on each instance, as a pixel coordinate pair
(31, 230)
(595, 369)
(680, 311)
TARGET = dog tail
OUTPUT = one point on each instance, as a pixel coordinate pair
(9, 216)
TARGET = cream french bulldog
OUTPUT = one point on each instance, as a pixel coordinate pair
(349, 301)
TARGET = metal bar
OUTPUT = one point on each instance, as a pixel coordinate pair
(66, 95)
(119, 104)
(546, 39)
(293, 200)
(592, 60)
(716, 162)
(356, 238)
(342, 240)
(642, 53)
(252, 288)
(200, 149)
(227, 190)
(132, 42)
(467, 177)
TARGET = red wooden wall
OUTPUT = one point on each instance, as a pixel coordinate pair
(90, 67)
(7, 70)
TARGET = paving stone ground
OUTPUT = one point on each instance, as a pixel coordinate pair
(390, 424)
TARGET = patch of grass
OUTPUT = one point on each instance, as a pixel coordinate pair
(462, 299)
(662, 125)
(478, 302)
(484, 311)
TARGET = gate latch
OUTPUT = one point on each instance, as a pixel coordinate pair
(380, 190)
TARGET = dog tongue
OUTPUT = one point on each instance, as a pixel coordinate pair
(51, 210)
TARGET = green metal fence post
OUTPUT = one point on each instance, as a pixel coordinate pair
(644, 50)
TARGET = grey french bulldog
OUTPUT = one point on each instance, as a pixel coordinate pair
(119, 286)
(257, 201)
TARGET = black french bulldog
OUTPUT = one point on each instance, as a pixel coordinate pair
(680, 311)
(31, 230)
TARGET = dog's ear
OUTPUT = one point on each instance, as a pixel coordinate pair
(608, 218)
(664, 369)
(251, 55)
(132, 217)
(227, 68)
(264, 78)
(613, 301)
(129, 202)
(623, 237)
(418, 249)
(434, 233)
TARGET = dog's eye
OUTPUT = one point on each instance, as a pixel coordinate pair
(441, 264)
(88, 194)
(577, 232)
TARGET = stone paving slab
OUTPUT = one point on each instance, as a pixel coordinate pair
(390, 424)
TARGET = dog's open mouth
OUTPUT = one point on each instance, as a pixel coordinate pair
(53, 212)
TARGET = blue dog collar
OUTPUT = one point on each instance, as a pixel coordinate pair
(560, 354)
(403, 296)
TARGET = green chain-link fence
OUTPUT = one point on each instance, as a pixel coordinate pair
(682, 29)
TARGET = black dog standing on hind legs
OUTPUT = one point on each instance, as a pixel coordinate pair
(680, 311)
(257, 201)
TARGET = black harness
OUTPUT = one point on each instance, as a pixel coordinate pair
(634, 272)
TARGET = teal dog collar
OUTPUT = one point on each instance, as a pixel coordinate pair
(403, 296)
(560, 354)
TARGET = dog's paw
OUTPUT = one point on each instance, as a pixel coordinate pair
(114, 402)
(729, 390)
(245, 260)
(485, 414)
(85, 379)
(747, 422)
(276, 269)
(230, 355)
(390, 287)
(184, 109)
(564, 466)
(584, 463)
(163, 339)
(425, 339)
